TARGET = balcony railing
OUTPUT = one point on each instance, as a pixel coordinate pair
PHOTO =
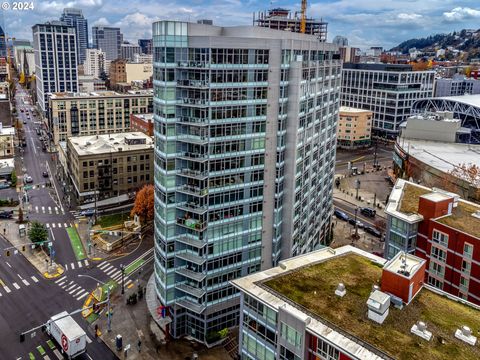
(193, 207)
(193, 190)
(192, 224)
(196, 174)
(193, 83)
(191, 257)
(193, 156)
(190, 305)
(191, 241)
(197, 276)
(198, 293)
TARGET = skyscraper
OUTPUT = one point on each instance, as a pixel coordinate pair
(128, 51)
(245, 124)
(145, 45)
(109, 40)
(74, 17)
(55, 60)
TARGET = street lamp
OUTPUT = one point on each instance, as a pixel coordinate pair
(109, 315)
(122, 268)
(356, 225)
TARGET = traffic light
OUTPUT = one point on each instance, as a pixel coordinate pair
(23, 248)
(22, 337)
(8, 253)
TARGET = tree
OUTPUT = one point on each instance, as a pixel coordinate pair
(37, 233)
(14, 178)
(144, 206)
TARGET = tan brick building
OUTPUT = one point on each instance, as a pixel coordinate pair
(354, 128)
(124, 72)
(142, 122)
(99, 112)
(109, 165)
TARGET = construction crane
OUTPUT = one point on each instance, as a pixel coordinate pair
(303, 21)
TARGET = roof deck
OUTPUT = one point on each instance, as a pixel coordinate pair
(312, 287)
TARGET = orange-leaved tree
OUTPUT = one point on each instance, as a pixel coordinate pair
(144, 206)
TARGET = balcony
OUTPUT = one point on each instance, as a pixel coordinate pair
(191, 241)
(191, 257)
(195, 174)
(192, 156)
(192, 64)
(197, 276)
(193, 102)
(191, 290)
(192, 207)
(192, 224)
(190, 305)
(192, 190)
(193, 83)
(193, 121)
(193, 138)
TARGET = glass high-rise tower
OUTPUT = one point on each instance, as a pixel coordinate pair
(74, 17)
(245, 124)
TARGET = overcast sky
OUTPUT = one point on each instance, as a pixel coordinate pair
(364, 22)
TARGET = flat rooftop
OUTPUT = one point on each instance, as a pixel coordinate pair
(144, 117)
(312, 287)
(100, 93)
(109, 143)
(353, 110)
(441, 155)
(404, 199)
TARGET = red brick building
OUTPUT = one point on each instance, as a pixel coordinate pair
(142, 123)
(441, 228)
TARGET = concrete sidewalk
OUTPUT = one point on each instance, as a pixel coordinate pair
(133, 323)
(38, 258)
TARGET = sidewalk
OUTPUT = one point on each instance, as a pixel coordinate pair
(39, 259)
(134, 322)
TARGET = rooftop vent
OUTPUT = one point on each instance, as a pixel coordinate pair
(88, 143)
(378, 304)
(340, 291)
(420, 329)
(375, 287)
(465, 334)
(403, 268)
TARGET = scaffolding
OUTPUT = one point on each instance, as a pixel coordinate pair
(283, 19)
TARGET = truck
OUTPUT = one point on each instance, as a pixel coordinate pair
(68, 334)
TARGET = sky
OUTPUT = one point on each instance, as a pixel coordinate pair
(364, 22)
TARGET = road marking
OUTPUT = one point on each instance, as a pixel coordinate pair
(43, 209)
(65, 225)
(79, 264)
(55, 187)
(57, 354)
(117, 278)
(82, 296)
(33, 145)
(72, 266)
(62, 278)
(89, 340)
(56, 210)
(47, 225)
(16, 285)
(34, 279)
(59, 225)
(6, 262)
(86, 263)
(25, 282)
(74, 290)
(79, 292)
(49, 210)
(66, 267)
(111, 271)
(102, 264)
(20, 276)
(7, 289)
(128, 282)
(36, 209)
(53, 225)
(71, 287)
(119, 272)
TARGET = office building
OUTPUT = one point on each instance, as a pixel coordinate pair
(341, 41)
(348, 54)
(94, 64)
(354, 128)
(74, 17)
(231, 197)
(388, 90)
(143, 58)
(443, 229)
(347, 304)
(102, 112)
(3, 41)
(109, 165)
(142, 122)
(457, 86)
(108, 39)
(128, 51)
(283, 19)
(24, 59)
(55, 61)
(146, 46)
(89, 84)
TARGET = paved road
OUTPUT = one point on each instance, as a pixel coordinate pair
(360, 156)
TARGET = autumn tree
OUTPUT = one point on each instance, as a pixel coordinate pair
(144, 206)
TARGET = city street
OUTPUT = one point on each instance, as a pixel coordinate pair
(28, 299)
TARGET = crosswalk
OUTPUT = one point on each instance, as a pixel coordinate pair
(114, 273)
(44, 348)
(22, 282)
(47, 210)
(72, 288)
(76, 265)
(58, 225)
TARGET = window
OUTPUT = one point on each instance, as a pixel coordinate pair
(436, 283)
(327, 351)
(463, 284)
(468, 250)
(437, 269)
(291, 335)
(466, 266)
(438, 254)
(440, 238)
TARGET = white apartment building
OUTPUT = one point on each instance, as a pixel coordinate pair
(94, 63)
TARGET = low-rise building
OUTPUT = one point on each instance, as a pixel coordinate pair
(346, 304)
(441, 228)
(104, 166)
(100, 112)
(7, 135)
(143, 58)
(88, 84)
(457, 86)
(354, 128)
(142, 122)
(122, 71)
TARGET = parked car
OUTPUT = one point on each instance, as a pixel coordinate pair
(28, 179)
(45, 174)
(6, 214)
(5, 184)
(359, 223)
(341, 215)
(368, 211)
(88, 212)
(373, 231)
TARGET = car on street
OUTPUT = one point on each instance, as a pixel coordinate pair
(24, 121)
(6, 214)
(5, 184)
(373, 231)
(88, 212)
(28, 179)
(45, 174)
(341, 215)
(368, 211)
(360, 225)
